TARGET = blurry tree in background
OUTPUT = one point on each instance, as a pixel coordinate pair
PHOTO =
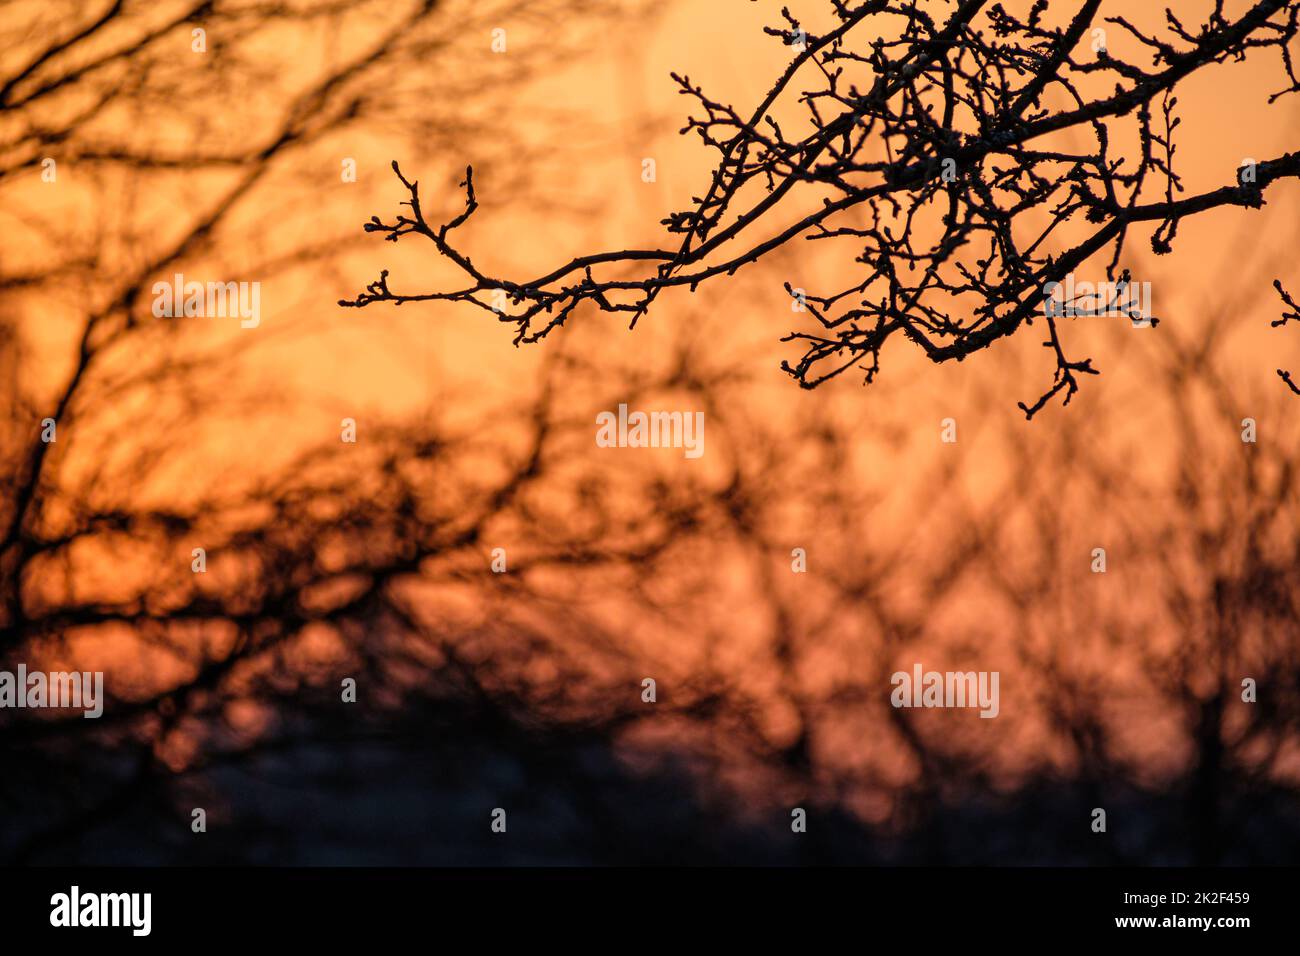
(523, 689)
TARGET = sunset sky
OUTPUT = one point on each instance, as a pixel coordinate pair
(225, 165)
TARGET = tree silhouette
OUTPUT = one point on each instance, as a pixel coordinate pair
(1291, 316)
(525, 685)
(119, 167)
(935, 157)
(74, 97)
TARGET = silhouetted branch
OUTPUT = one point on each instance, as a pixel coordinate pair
(933, 169)
(1286, 317)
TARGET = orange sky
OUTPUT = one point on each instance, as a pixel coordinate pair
(585, 126)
